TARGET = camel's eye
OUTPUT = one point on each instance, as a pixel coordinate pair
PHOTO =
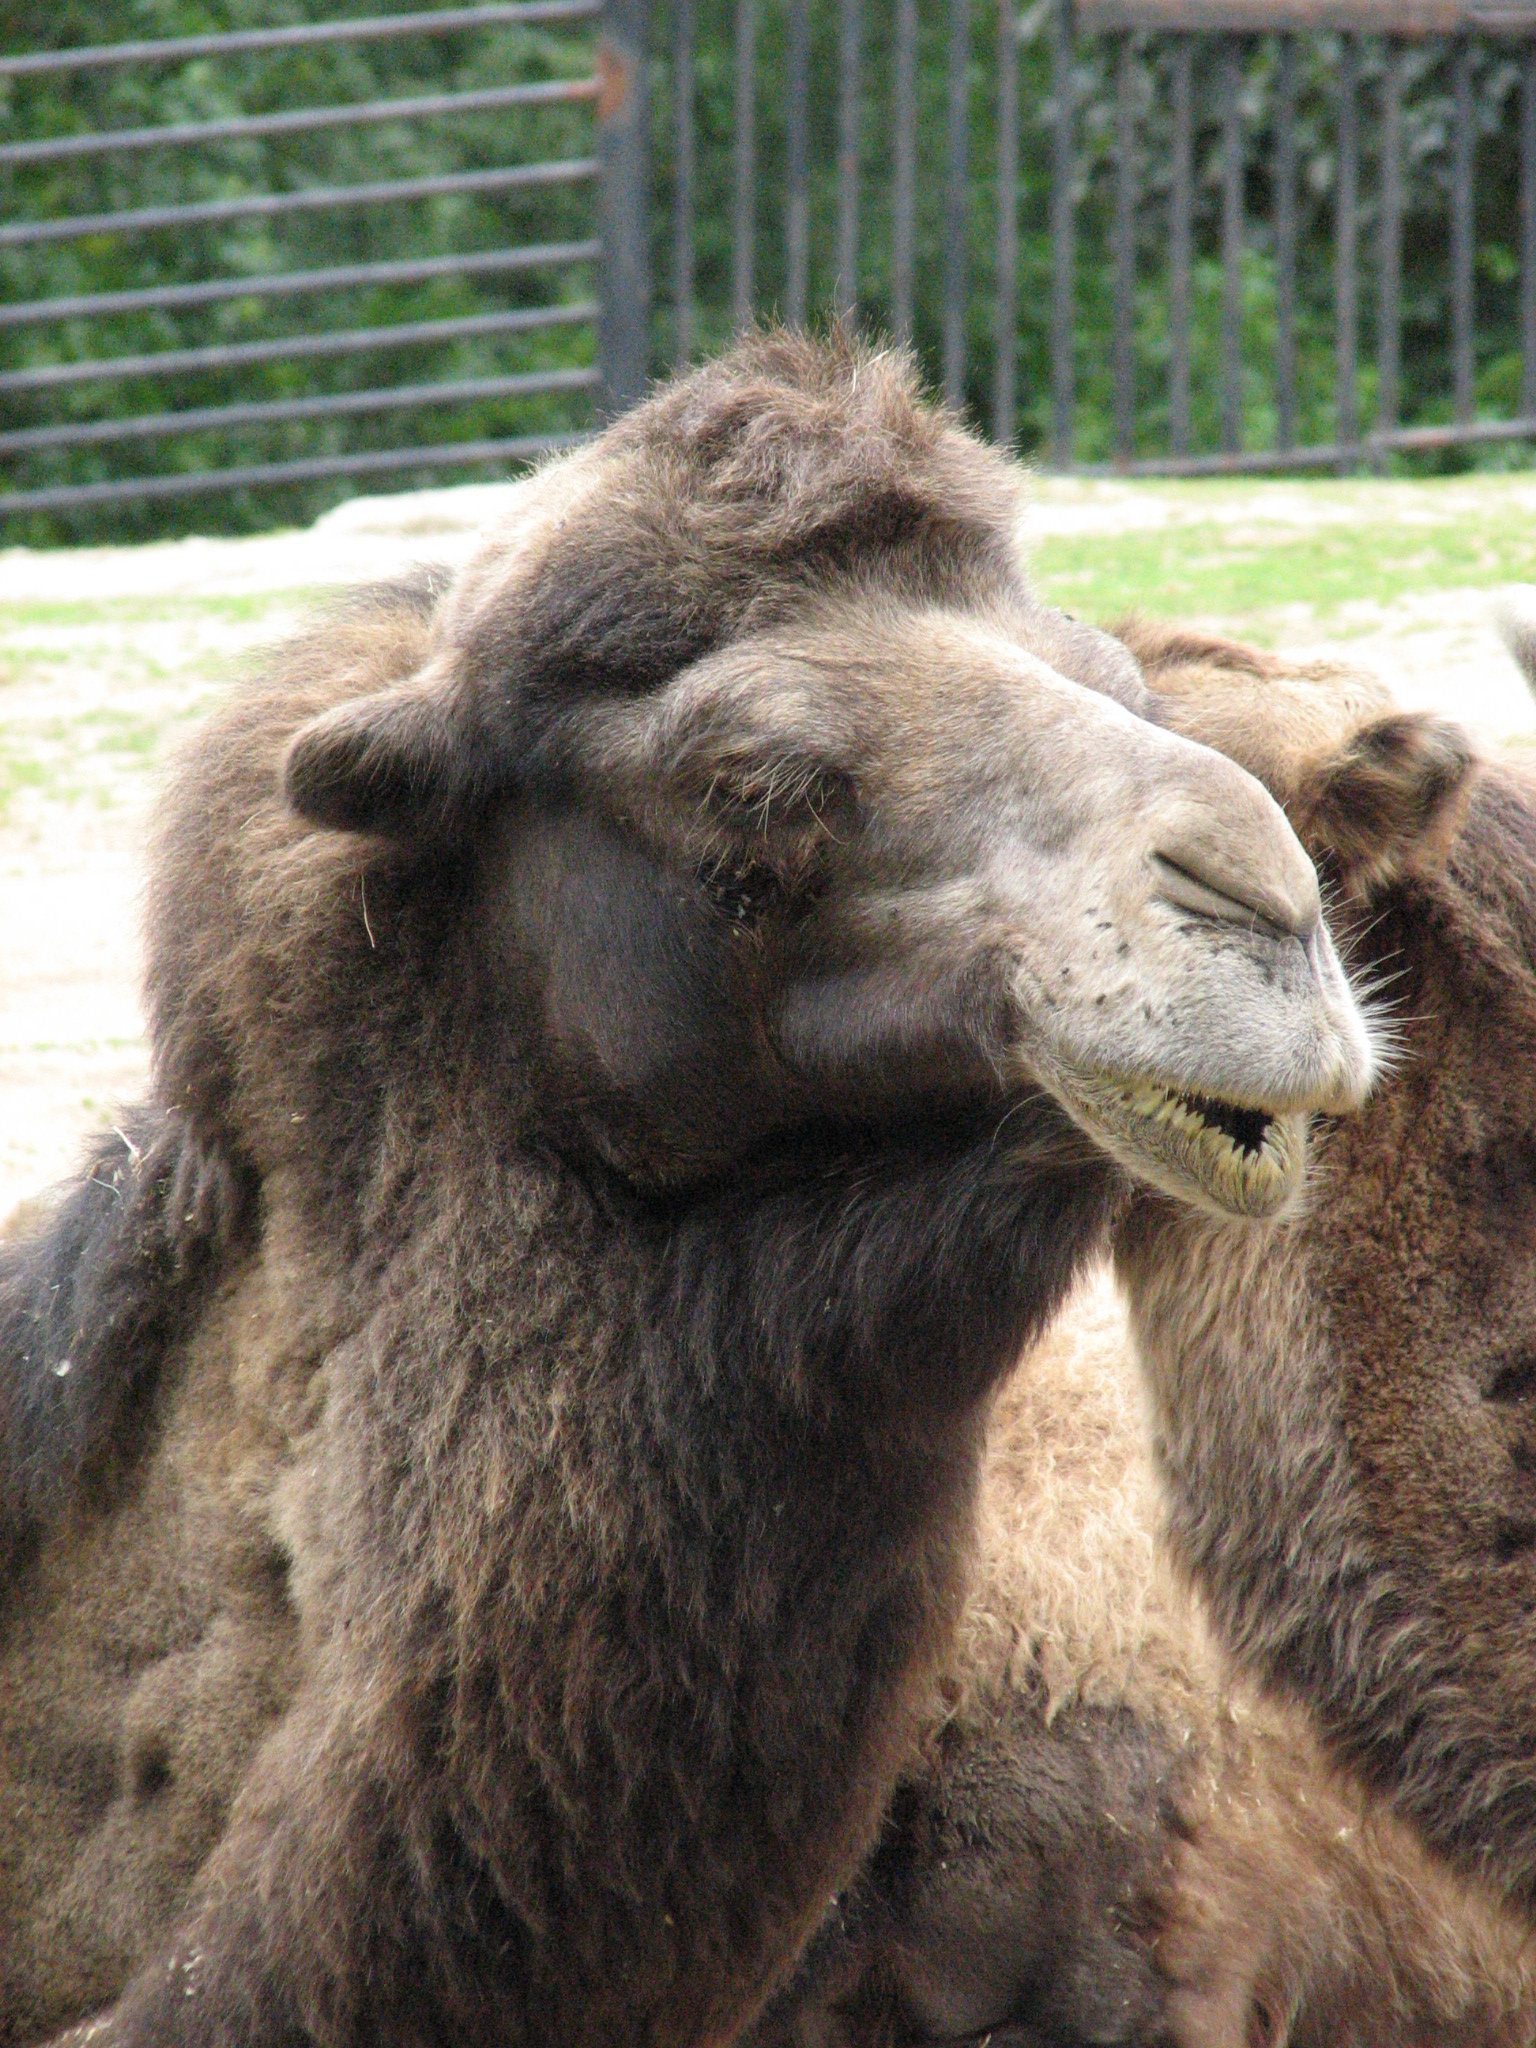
(741, 889)
(1511, 1378)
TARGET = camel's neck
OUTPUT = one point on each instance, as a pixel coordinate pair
(1266, 1508)
(906, 1272)
(1247, 1422)
(886, 1275)
(729, 1450)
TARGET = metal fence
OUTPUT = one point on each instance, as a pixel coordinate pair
(1221, 56)
(1072, 210)
(549, 281)
(1137, 120)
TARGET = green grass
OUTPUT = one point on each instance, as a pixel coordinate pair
(42, 1045)
(86, 759)
(19, 772)
(245, 608)
(1224, 554)
(125, 732)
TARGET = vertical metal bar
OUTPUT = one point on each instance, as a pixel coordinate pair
(1063, 253)
(850, 56)
(903, 198)
(1285, 243)
(1005, 299)
(1125, 249)
(1231, 246)
(1461, 227)
(955, 209)
(622, 124)
(1390, 313)
(1181, 204)
(746, 166)
(682, 191)
(1346, 216)
(1528, 230)
(796, 205)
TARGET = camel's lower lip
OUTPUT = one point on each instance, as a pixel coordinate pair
(1240, 1160)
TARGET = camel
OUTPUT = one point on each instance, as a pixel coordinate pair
(1396, 1603)
(644, 1034)
(1111, 1834)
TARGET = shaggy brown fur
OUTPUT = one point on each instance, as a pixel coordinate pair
(1114, 1837)
(1379, 1563)
(1111, 1836)
(614, 1253)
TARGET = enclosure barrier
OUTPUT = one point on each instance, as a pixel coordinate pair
(1404, 19)
(1203, 48)
(606, 88)
(1128, 126)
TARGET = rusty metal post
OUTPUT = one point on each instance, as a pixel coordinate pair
(1124, 247)
(904, 172)
(797, 205)
(956, 208)
(1389, 318)
(1285, 242)
(744, 216)
(1345, 250)
(1063, 248)
(1181, 243)
(682, 195)
(624, 322)
(1005, 303)
(1231, 75)
(850, 53)
(1463, 171)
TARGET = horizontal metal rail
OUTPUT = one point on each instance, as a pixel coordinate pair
(1451, 437)
(267, 412)
(294, 283)
(367, 28)
(299, 121)
(1324, 455)
(1271, 17)
(351, 341)
(264, 205)
(375, 462)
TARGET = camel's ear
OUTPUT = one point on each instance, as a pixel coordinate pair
(403, 763)
(1387, 802)
(1275, 718)
(1372, 792)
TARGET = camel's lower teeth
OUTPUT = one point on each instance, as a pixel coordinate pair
(1242, 1162)
(1247, 1131)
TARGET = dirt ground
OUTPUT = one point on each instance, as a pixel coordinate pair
(108, 656)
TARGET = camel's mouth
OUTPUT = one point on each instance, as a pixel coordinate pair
(1233, 1157)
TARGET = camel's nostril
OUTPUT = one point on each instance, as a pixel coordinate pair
(1249, 900)
(1224, 851)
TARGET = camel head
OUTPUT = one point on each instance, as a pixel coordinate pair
(1347, 1403)
(785, 805)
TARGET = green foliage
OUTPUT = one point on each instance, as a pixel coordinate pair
(1426, 367)
(210, 88)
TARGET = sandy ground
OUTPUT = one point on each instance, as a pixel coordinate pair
(89, 708)
(109, 655)
(1439, 649)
